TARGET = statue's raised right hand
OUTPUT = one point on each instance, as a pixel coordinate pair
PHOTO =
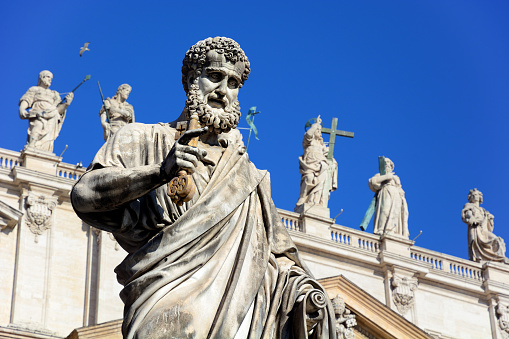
(183, 156)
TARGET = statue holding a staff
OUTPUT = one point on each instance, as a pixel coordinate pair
(45, 111)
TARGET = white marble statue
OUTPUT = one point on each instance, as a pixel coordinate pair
(391, 210)
(118, 111)
(345, 321)
(316, 169)
(221, 265)
(44, 111)
(483, 245)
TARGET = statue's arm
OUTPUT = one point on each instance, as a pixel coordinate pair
(130, 110)
(377, 181)
(104, 119)
(23, 113)
(61, 107)
(312, 130)
(397, 180)
(107, 189)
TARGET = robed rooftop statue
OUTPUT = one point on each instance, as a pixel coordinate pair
(222, 264)
(45, 112)
(483, 245)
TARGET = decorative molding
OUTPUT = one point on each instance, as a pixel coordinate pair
(403, 292)
(502, 310)
(345, 321)
(39, 214)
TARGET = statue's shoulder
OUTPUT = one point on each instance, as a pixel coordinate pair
(141, 128)
(33, 90)
(233, 137)
(148, 131)
(140, 136)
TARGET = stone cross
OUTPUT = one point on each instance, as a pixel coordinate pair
(333, 132)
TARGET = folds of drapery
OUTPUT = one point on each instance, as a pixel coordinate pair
(221, 266)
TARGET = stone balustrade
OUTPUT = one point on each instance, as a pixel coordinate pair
(358, 239)
(291, 220)
(447, 263)
(69, 171)
(9, 159)
(371, 244)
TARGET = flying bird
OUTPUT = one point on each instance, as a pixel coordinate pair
(84, 48)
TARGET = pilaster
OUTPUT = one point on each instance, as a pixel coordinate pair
(31, 295)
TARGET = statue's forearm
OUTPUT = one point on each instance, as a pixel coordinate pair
(61, 108)
(23, 114)
(107, 189)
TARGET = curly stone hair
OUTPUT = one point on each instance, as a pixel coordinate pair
(196, 57)
(121, 87)
(474, 192)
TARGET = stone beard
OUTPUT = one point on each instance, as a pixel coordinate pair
(218, 120)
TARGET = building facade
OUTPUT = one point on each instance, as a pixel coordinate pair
(57, 279)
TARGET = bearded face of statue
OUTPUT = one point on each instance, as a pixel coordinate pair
(213, 96)
(45, 78)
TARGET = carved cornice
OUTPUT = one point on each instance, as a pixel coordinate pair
(54, 182)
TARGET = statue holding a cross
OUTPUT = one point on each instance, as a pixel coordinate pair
(317, 165)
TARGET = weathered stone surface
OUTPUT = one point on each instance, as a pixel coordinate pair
(66, 274)
(46, 113)
(391, 210)
(483, 245)
(221, 265)
(316, 169)
(116, 112)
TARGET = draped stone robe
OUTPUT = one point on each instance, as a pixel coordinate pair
(221, 265)
(391, 209)
(482, 243)
(45, 129)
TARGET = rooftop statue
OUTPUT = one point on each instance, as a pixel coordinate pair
(116, 112)
(483, 245)
(316, 169)
(46, 112)
(220, 265)
(391, 210)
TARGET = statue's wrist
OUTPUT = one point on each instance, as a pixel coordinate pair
(166, 176)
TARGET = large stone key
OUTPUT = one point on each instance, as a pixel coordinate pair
(181, 188)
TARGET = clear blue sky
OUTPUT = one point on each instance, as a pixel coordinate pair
(425, 83)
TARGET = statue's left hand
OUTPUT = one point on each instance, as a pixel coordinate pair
(69, 98)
